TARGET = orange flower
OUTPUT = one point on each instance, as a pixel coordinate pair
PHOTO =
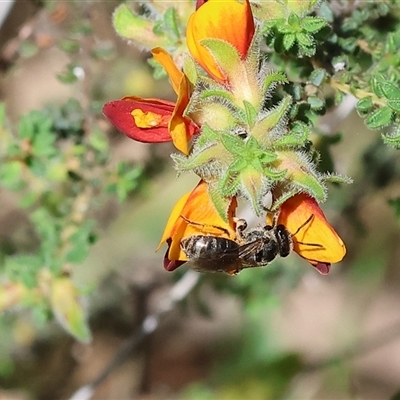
(226, 20)
(194, 214)
(293, 214)
(155, 120)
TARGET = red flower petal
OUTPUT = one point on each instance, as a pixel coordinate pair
(119, 113)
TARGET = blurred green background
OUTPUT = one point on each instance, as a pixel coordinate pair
(279, 332)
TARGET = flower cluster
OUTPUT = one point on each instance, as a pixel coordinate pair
(233, 138)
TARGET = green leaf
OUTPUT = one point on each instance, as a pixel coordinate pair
(379, 118)
(376, 84)
(43, 144)
(392, 139)
(28, 200)
(67, 309)
(170, 21)
(395, 204)
(364, 105)
(98, 140)
(294, 20)
(288, 40)
(317, 77)
(11, 175)
(390, 91)
(136, 28)
(315, 102)
(312, 24)
(69, 75)
(285, 28)
(2, 114)
(70, 46)
(394, 104)
(304, 39)
(23, 268)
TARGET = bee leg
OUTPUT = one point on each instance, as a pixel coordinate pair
(205, 225)
(241, 226)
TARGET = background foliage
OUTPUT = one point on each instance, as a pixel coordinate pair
(83, 209)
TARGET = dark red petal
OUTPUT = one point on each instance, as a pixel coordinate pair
(322, 268)
(171, 265)
(199, 3)
(118, 112)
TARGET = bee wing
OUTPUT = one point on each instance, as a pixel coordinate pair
(226, 261)
(247, 249)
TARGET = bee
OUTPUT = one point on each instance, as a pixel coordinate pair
(256, 247)
(212, 254)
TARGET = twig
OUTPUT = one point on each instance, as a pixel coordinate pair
(178, 292)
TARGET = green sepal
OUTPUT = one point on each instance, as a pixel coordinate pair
(337, 178)
(301, 173)
(274, 175)
(219, 93)
(233, 144)
(238, 165)
(297, 136)
(190, 69)
(253, 188)
(225, 54)
(251, 113)
(206, 137)
(286, 194)
(229, 184)
(272, 79)
(220, 202)
(200, 158)
(270, 121)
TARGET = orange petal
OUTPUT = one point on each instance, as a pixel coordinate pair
(200, 218)
(227, 20)
(293, 214)
(180, 127)
(174, 73)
